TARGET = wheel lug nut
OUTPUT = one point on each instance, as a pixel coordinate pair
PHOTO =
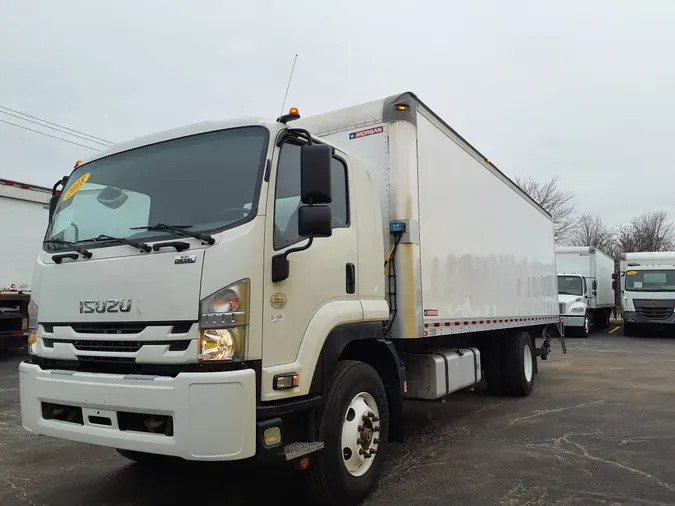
(373, 451)
(360, 428)
(359, 441)
(376, 418)
(376, 429)
(376, 441)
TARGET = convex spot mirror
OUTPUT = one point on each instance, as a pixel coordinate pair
(112, 197)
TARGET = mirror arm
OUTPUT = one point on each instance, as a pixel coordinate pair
(281, 265)
(306, 246)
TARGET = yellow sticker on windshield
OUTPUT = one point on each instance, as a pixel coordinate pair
(76, 186)
(631, 273)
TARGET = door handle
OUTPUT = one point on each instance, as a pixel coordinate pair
(350, 272)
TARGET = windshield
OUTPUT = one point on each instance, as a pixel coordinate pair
(662, 280)
(208, 181)
(570, 285)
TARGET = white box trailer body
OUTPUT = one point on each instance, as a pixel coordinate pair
(647, 284)
(479, 252)
(586, 293)
(420, 266)
(23, 219)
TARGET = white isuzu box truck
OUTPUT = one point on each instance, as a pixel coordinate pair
(585, 288)
(23, 218)
(647, 284)
(276, 289)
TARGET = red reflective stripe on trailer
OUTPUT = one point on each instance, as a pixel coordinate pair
(447, 324)
(437, 324)
(481, 322)
(457, 324)
(426, 325)
(17, 334)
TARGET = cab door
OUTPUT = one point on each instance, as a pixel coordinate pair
(322, 285)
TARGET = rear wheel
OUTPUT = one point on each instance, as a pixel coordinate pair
(519, 365)
(353, 424)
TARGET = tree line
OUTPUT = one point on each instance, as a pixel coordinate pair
(651, 231)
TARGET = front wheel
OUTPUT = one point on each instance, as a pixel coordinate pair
(586, 329)
(354, 426)
(145, 458)
(629, 329)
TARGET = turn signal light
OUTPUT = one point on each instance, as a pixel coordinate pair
(286, 381)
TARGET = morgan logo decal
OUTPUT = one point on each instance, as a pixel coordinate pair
(105, 306)
(366, 132)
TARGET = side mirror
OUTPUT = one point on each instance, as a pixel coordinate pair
(314, 221)
(314, 217)
(595, 285)
(315, 162)
(55, 196)
(614, 285)
(52, 206)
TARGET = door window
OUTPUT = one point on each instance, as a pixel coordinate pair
(287, 196)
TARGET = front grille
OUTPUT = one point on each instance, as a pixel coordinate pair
(118, 346)
(655, 313)
(119, 328)
(656, 310)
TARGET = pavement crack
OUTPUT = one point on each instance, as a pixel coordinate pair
(544, 412)
(586, 454)
(20, 492)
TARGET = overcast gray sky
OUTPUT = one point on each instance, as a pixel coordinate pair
(582, 89)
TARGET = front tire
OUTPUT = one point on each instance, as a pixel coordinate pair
(354, 426)
(146, 459)
(586, 329)
(629, 329)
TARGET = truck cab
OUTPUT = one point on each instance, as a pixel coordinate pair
(585, 290)
(647, 283)
(574, 291)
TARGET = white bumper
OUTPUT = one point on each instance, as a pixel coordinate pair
(573, 321)
(214, 414)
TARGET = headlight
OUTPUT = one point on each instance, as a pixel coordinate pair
(222, 344)
(223, 322)
(577, 310)
(32, 327)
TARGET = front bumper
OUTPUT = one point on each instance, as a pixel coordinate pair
(213, 413)
(573, 321)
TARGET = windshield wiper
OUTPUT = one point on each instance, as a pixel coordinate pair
(121, 240)
(84, 252)
(180, 230)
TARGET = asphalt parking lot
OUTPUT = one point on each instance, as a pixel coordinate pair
(599, 429)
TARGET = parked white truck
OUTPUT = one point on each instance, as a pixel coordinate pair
(585, 288)
(647, 284)
(23, 218)
(276, 289)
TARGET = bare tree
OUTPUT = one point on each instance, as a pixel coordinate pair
(592, 231)
(647, 232)
(560, 204)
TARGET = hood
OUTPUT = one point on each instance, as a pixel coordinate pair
(120, 284)
(569, 299)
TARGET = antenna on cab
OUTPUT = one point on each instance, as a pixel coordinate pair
(293, 113)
